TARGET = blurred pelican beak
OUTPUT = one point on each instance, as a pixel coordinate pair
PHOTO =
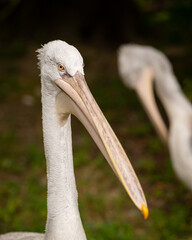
(144, 90)
(76, 98)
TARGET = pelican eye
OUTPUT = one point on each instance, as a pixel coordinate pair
(60, 67)
(83, 65)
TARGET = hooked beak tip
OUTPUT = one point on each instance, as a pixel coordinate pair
(145, 211)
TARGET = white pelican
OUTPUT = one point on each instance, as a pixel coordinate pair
(138, 66)
(64, 91)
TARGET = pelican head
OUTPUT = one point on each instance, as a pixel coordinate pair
(134, 60)
(62, 74)
(138, 66)
(57, 59)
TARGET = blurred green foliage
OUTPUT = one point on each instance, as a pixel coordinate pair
(170, 20)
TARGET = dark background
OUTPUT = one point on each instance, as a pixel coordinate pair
(166, 25)
(107, 22)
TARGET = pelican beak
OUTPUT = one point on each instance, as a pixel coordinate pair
(144, 90)
(77, 97)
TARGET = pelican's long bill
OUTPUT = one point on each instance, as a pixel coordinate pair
(144, 90)
(78, 100)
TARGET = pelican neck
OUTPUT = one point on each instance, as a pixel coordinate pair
(169, 91)
(63, 218)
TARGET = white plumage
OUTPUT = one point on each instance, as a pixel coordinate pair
(138, 66)
(64, 91)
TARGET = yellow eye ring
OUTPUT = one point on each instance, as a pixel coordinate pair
(60, 67)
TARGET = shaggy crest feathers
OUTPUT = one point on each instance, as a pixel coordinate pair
(60, 52)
